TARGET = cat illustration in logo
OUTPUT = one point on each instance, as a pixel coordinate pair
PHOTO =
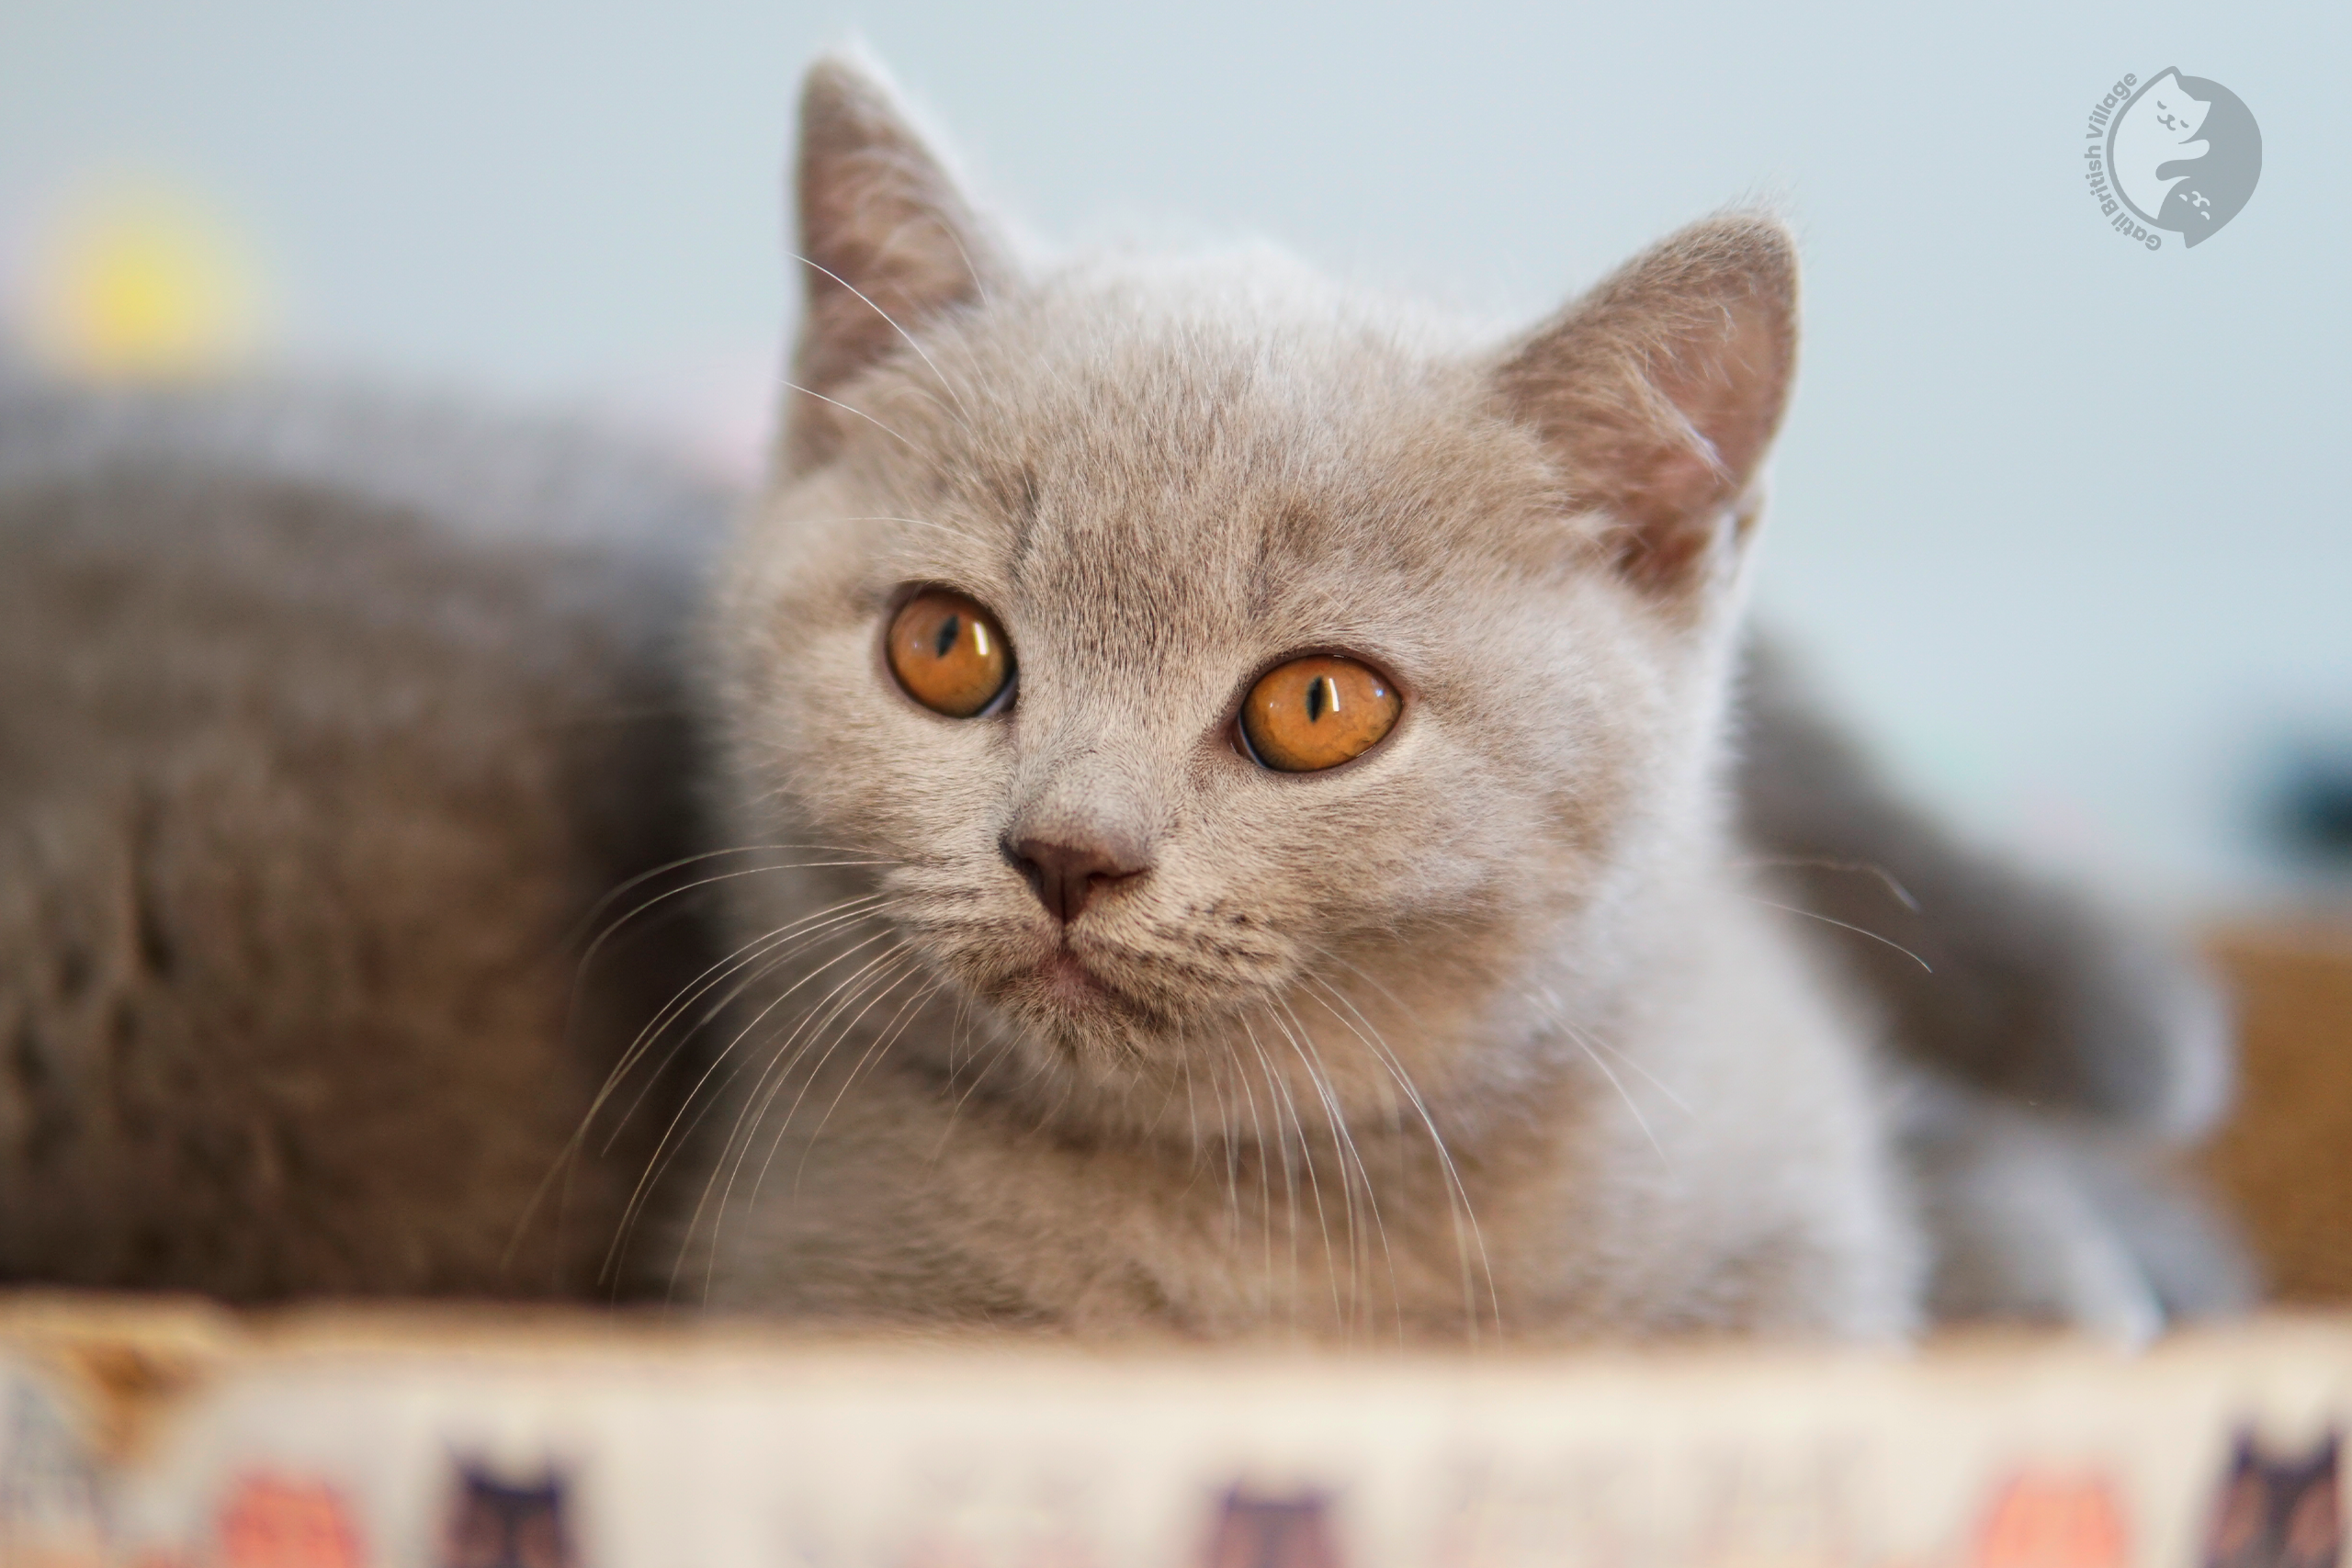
(2185, 155)
(2280, 1513)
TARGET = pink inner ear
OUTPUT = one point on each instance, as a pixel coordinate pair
(1722, 402)
(881, 241)
(1660, 392)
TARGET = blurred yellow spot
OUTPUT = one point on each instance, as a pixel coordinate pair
(143, 283)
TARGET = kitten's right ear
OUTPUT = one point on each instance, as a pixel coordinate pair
(886, 241)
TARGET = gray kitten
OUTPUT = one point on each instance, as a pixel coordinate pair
(1067, 985)
(1278, 743)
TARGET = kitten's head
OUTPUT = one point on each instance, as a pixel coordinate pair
(1208, 652)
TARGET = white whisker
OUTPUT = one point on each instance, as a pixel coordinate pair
(1844, 925)
(1458, 1190)
(752, 952)
(1314, 1180)
(861, 413)
(895, 327)
(1321, 1077)
(1866, 868)
(673, 1140)
(814, 1022)
(1614, 1082)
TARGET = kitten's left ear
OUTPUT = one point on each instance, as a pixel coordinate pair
(887, 240)
(1659, 393)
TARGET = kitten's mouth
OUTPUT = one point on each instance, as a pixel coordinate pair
(1072, 995)
(1065, 988)
(1070, 983)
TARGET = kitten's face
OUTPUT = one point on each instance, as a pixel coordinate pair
(1160, 484)
(1160, 494)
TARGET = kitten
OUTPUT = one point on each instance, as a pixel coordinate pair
(1243, 767)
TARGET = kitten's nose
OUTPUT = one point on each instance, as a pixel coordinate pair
(1065, 876)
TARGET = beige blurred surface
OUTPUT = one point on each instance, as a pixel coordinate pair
(725, 1445)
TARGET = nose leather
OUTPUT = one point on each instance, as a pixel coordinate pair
(1067, 876)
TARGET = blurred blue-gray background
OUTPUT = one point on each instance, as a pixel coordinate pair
(2062, 521)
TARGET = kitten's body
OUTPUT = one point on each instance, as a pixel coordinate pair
(1501, 1022)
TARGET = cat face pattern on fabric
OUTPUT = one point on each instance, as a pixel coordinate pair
(1254, 1531)
(2280, 1510)
(2055, 1520)
(277, 1521)
(494, 1523)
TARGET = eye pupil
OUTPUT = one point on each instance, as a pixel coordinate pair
(949, 629)
(1315, 701)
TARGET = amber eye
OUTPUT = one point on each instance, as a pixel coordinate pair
(949, 654)
(1317, 712)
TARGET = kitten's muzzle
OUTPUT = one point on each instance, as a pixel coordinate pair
(1068, 872)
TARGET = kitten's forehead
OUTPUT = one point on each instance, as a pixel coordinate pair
(1220, 453)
